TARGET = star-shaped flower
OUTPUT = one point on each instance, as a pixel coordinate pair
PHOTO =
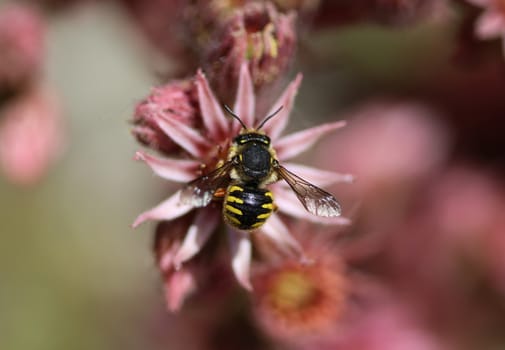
(206, 146)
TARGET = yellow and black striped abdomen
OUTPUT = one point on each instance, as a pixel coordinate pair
(247, 207)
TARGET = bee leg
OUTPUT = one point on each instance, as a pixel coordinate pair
(219, 193)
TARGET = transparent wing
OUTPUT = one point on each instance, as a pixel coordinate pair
(200, 191)
(314, 199)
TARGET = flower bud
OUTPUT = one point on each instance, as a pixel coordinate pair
(176, 100)
(257, 34)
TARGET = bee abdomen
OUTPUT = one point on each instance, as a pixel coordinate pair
(247, 207)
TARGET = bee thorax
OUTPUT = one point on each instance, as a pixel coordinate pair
(256, 162)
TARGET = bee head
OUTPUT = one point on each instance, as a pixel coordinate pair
(252, 137)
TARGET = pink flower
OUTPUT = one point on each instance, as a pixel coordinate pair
(389, 326)
(30, 135)
(491, 24)
(178, 101)
(206, 146)
(389, 147)
(297, 302)
(21, 45)
(255, 33)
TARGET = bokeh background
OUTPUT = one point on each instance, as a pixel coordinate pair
(73, 274)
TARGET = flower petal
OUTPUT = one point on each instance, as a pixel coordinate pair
(212, 114)
(241, 250)
(276, 125)
(167, 210)
(177, 288)
(490, 25)
(186, 137)
(293, 144)
(288, 203)
(245, 100)
(178, 170)
(275, 229)
(316, 176)
(198, 233)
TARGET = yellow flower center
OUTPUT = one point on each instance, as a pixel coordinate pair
(293, 291)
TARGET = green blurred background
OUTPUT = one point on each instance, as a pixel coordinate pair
(73, 274)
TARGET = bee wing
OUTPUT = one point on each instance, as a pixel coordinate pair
(315, 200)
(200, 191)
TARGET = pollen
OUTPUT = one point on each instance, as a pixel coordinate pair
(297, 300)
(293, 291)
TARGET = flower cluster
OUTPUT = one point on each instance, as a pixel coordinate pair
(207, 144)
(422, 226)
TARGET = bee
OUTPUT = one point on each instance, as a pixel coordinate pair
(241, 182)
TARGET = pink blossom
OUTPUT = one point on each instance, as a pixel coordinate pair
(177, 100)
(385, 327)
(255, 33)
(491, 23)
(21, 45)
(389, 147)
(30, 135)
(297, 302)
(206, 146)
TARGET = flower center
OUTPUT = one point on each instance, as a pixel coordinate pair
(293, 291)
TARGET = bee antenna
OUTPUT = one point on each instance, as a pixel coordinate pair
(269, 117)
(228, 109)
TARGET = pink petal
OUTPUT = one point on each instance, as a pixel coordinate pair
(245, 100)
(212, 114)
(275, 229)
(198, 233)
(490, 25)
(316, 176)
(166, 261)
(288, 203)
(241, 250)
(276, 125)
(186, 137)
(179, 170)
(177, 287)
(292, 145)
(167, 210)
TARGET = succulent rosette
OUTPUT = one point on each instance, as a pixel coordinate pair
(205, 146)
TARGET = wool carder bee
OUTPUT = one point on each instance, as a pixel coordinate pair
(241, 182)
